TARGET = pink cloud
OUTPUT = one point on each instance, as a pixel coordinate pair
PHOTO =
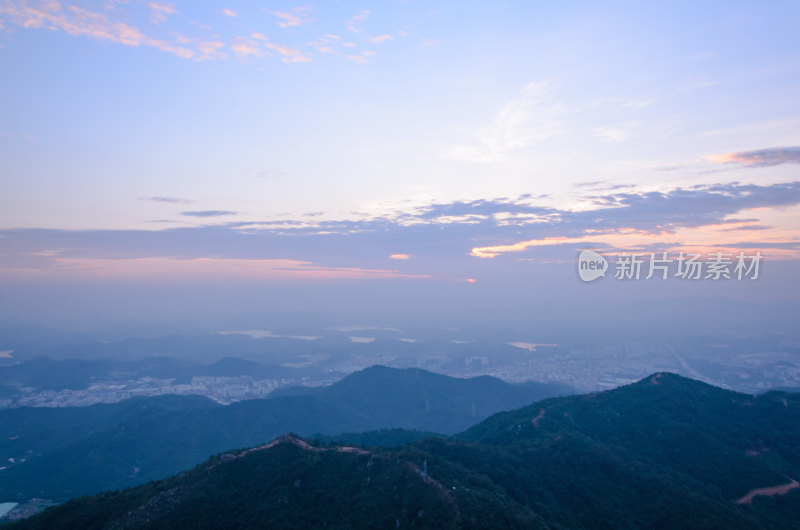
(159, 12)
(380, 39)
(760, 157)
(298, 17)
(287, 19)
(259, 45)
(362, 58)
(359, 17)
(289, 54)
(202, 268)
(211, 49)
(81, 22)
(244, 47)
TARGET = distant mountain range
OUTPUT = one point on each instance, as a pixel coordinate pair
(666, 452)
(66, 452)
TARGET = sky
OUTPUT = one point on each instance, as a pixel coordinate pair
(398, 155)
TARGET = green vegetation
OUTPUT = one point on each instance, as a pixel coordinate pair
(666, 452)
(83, 450)
(380, 438)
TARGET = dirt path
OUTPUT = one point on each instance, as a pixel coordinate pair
(535, 420)
(287, 439)
(443, 492)
(769, 492)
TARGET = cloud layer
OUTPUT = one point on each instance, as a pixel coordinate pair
(445, 240)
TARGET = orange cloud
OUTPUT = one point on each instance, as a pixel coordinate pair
(760, 157)
(400, 256)
(724, 237)
(496, 250)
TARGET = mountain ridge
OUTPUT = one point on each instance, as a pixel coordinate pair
(70, 452)
(567, 468)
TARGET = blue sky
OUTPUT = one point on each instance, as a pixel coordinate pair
(389, 140)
